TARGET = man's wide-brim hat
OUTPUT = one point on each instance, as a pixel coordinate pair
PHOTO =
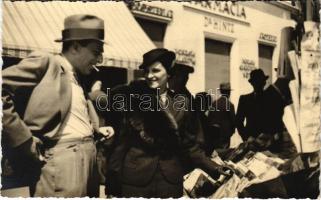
(166, 57)
(225, 86)
(257, 75)
(83, 27)
(180, 67)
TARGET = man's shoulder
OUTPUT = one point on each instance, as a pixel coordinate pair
(222, 98)
(36, 62)
(41, 55)
(246, 96)
(41, 58)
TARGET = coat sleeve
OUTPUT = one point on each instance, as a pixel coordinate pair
(240, 117)
(21, 77)
(213, 118)
(232, 117)
(191, 148)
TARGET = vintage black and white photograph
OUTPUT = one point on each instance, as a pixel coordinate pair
(160, 99)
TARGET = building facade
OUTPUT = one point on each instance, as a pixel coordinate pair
(223, 40)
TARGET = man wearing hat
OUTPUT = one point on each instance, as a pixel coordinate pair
(48, 123)
(250, 107)
(179, 75)
(222, 116)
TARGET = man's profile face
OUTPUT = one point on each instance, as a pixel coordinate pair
(178, 81)
(89, 56)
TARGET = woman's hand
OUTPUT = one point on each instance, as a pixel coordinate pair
(225, 170)
(107, 132)
(217, 170)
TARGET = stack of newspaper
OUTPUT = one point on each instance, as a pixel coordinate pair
(252, 169)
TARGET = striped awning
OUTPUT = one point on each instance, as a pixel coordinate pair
(34, 25)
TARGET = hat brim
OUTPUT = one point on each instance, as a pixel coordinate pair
(77, 39)
(169, 54)
(183, 67)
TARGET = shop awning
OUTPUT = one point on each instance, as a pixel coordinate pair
(34, 25)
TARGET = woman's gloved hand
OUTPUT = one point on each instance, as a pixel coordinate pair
(218, 170)
(225, 170)
(106, 132)
(105, 137)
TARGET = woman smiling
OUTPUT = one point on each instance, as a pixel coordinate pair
(153, 146)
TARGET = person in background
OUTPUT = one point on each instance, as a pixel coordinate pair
(250, 107)
(48, 123)
(153, 139)
(178, 78)
(223, 116)
(274, 133)
(202, 104)
(267, 130)
(179, 75)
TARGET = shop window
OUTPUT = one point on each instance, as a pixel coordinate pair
(217, 63)
(155, 30)
(265, 60)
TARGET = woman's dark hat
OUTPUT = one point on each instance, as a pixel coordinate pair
(162, 55)
(83, 27)
(257, 75)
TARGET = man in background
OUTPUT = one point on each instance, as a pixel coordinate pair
(179, 75)
(222, 116)
(250, 107)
